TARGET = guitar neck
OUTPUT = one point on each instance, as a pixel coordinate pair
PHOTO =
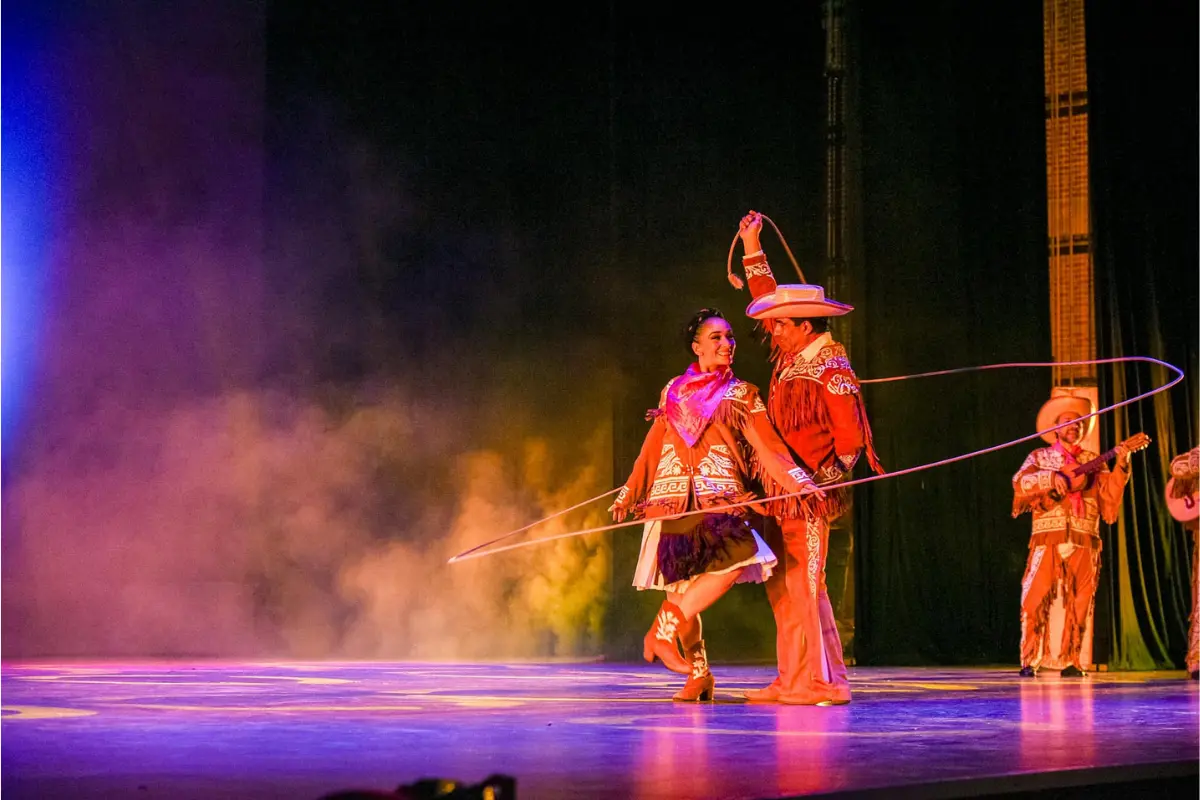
(1099, 461)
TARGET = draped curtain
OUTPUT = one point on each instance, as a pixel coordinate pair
(1143, 136)
(952, 192)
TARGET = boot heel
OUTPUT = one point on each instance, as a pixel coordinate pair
(700, 683)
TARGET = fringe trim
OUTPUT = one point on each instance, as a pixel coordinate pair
(732, 414)
(1073, 628)
(729, 412)
(801, 403)
(837, 501)
(1024, 503)
(868, 437)
(797, 404)
(1040, 620)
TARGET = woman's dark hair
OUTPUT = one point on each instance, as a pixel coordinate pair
(693, 327)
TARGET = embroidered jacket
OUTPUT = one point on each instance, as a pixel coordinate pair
(1076, 517)
(669, 477)
(816, 406)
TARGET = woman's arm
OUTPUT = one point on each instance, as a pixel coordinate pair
(641, 474)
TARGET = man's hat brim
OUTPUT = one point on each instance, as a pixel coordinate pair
(777, 305)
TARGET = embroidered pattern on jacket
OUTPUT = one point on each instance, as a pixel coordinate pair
(799, 475)
(831, 358)
(757, 269)
(715, 475)
(737, 391)
(842, 384)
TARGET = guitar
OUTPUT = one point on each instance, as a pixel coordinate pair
(1183, 509)
(1079, 477)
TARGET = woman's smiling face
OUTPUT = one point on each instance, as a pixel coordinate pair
(714, 344)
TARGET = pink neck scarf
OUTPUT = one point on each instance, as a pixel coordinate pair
(693, 399)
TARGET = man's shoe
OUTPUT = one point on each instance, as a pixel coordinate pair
(805, 698)
(1027, 672)
(1072, 672)
(767, 694)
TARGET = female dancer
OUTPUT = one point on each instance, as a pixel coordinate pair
(710, 439)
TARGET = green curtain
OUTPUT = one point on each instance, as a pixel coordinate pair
(1143, 137)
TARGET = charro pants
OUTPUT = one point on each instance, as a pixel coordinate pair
(1069, 570)
(808, 648)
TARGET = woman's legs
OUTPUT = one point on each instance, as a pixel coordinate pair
(703, 592)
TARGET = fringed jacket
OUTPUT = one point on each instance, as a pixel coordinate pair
(816, 406)
(727, 449)
(1076, 517)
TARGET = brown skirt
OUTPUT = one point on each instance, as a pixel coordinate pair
(676, 551)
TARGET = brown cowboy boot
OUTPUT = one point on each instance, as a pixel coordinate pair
(700, 684)
(659, 641)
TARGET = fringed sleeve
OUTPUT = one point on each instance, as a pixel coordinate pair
(1030, 485)
(632, 493)
(848, 417)
(772, 461)
(1111, 486)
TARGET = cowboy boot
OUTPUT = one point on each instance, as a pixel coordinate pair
(700, 683)
(659, 641)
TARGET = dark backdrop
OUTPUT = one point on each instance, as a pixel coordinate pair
(456, 195)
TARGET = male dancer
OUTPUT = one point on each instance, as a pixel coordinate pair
(814, 403)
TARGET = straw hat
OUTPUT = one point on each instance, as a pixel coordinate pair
(1064, 400)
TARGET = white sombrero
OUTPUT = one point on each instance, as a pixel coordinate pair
(797, 300)
(1063, 400)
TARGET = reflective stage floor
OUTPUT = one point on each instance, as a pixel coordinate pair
(301, 730)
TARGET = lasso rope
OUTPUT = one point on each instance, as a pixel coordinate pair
(474, 552)
(737, 282)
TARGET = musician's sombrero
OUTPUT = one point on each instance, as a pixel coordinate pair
(1065, 400)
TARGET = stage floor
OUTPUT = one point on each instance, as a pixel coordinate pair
(299, 730)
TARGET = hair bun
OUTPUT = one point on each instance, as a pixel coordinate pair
(696, 322)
